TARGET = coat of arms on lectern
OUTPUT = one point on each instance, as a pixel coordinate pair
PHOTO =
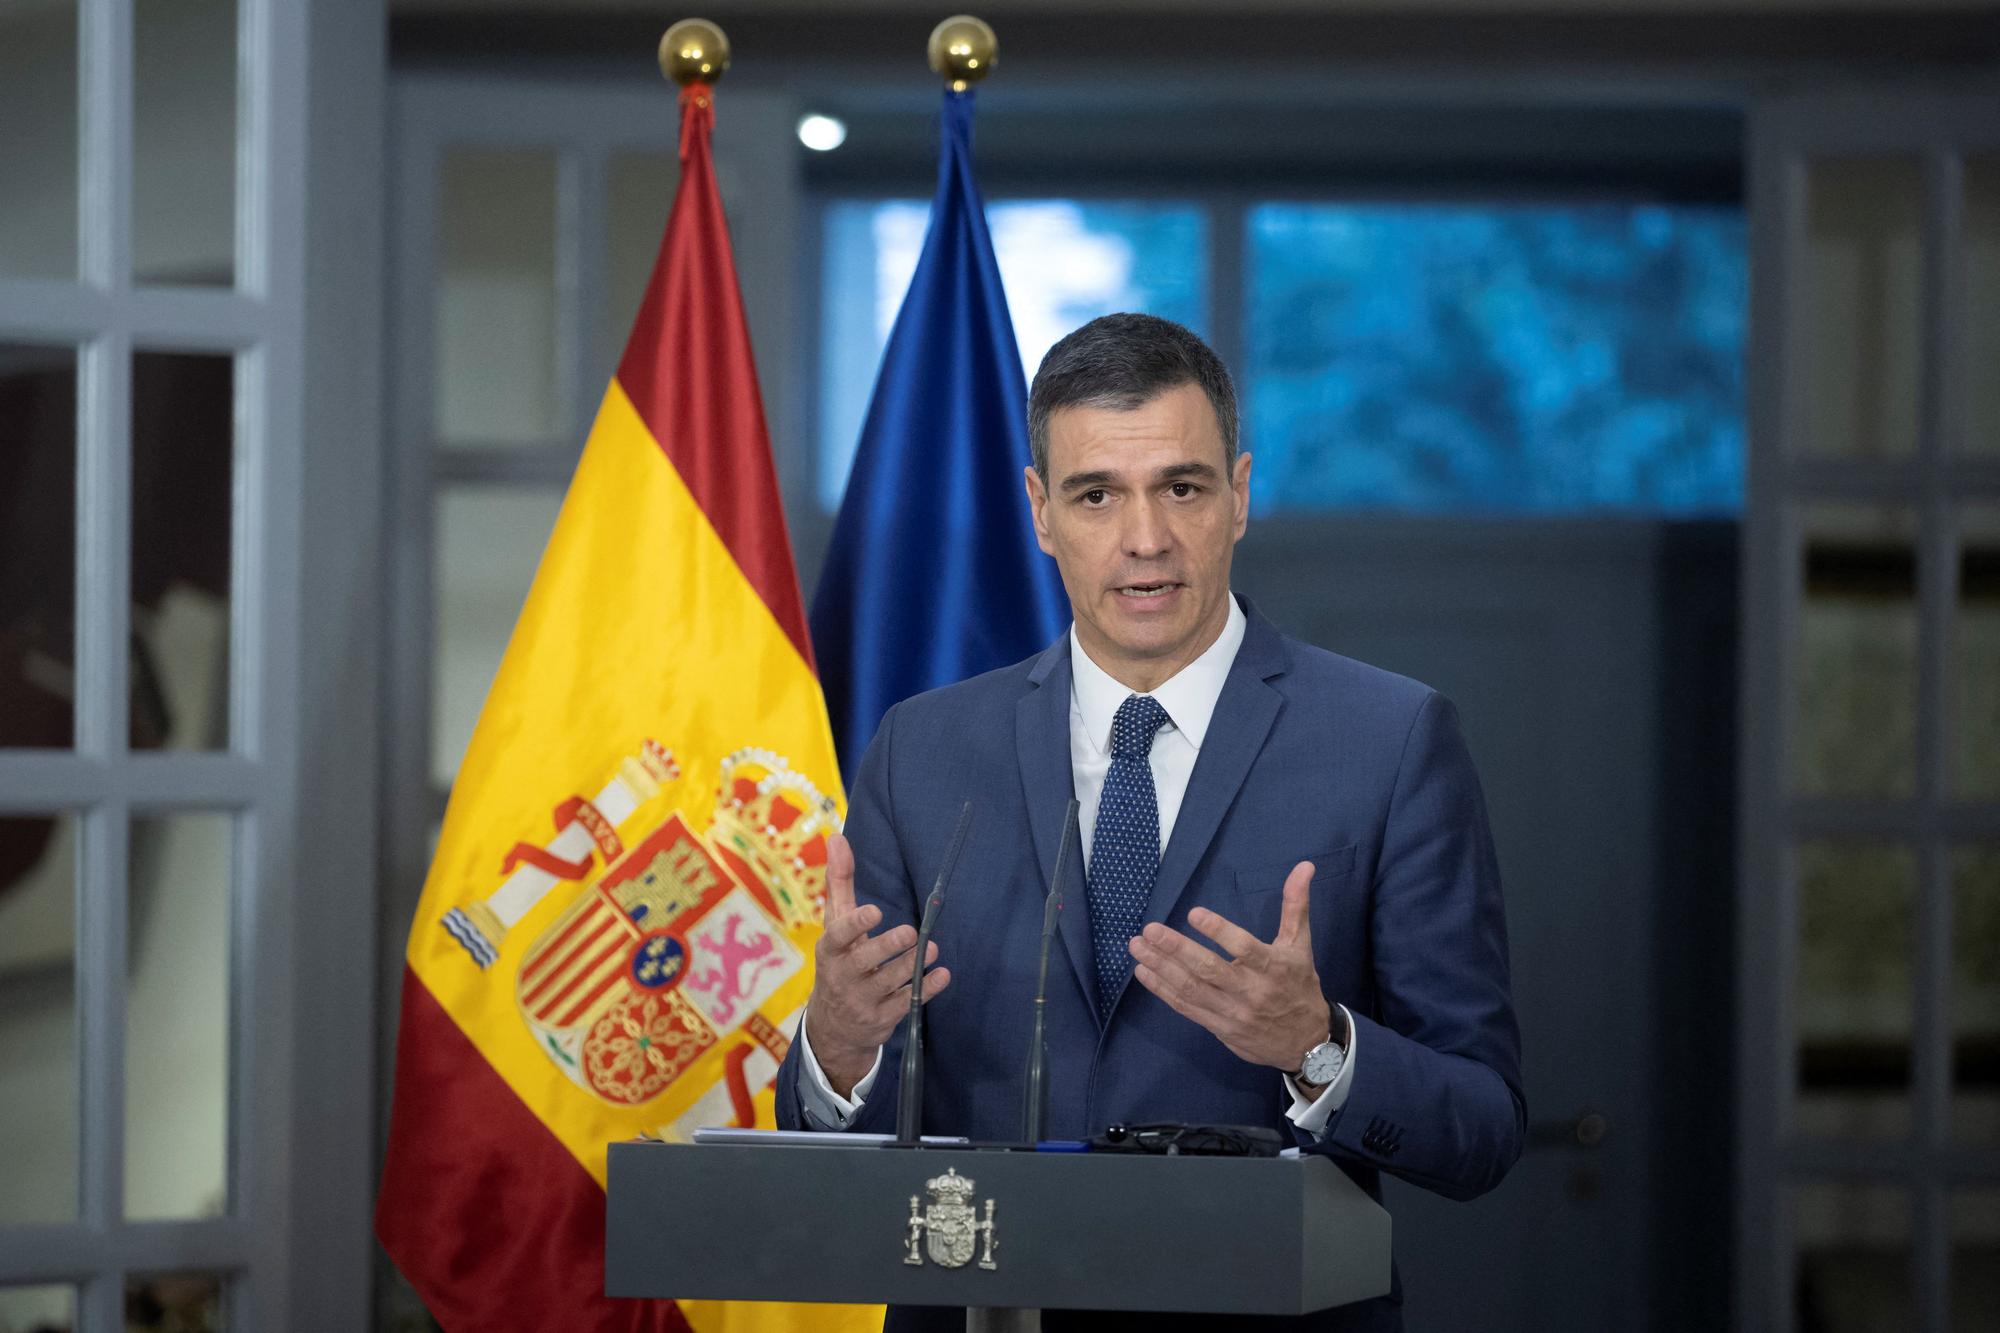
(949, 1227)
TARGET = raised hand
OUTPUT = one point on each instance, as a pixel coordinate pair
(1264, 1001)
(861, 982)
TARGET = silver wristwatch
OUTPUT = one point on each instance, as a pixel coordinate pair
(1322, 1064)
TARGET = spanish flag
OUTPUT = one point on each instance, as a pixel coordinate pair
(616, 935)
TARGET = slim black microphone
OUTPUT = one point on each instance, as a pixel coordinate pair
(910, 1103)
(1035, 1107)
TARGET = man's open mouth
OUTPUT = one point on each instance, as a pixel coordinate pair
(1147, 589)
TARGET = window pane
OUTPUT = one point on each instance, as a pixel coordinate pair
(37, 545)
(38, 1063)
(642, 190)
(1854, 731)
(1853, 995)
(177, 1017)
(1854, 1269)
(489, 542)
(1982, 305)
(37, 1309)
(184, 141)
(174, 1303)
(1863, 306)
(38, 153)
(183, 464)
(496, 311)
(1975, 658)
(1974, 1220)
(1495, 357)
(1063, 262)
(1975, 994)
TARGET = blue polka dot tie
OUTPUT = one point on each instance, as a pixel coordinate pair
(1125, 848)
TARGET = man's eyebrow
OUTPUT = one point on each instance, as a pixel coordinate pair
(1083, 481)
(1194, 470)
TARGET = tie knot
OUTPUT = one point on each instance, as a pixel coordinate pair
(1132, 730)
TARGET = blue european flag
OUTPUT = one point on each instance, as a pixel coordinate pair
(933, 574)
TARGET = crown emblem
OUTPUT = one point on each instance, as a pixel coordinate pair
(950, 1228)
(950, 1187)
(772, 822)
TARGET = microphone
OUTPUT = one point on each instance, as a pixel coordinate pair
(909, 1105)
(1035, 1106)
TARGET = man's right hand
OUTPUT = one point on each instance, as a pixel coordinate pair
(860, 981)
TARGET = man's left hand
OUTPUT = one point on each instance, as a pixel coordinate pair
(1263, 1002)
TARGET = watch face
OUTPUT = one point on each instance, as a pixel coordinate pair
(1322, 1064)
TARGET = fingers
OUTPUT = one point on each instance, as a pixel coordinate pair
(1176, 997)
(1177, 961)
(844, 931)
(875, 950)
(1241, 944)
(839, 877)
(935, 980)
(1295, 917)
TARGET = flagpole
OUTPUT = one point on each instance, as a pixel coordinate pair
(963, 50)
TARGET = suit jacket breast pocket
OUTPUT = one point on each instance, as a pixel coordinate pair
(1269, 876)
(1259, 901)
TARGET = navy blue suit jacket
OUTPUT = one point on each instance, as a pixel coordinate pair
(1310, 756)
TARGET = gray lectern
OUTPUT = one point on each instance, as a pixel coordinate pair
(994, 1229)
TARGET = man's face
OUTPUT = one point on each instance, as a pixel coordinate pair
(1142, 522)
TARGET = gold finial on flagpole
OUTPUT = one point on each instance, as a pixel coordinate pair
(694, 51)
(963, 50)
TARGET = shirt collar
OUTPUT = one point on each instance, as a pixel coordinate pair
(1189, 695)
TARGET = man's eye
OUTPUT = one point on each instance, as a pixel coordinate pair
(1181, 490)
(1094, 497)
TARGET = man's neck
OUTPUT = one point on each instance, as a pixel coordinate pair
(1146, 674)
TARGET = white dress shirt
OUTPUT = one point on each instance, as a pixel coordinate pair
(1189, 698)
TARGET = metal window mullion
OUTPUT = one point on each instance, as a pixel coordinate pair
(1937, 591)
(104, 175)
(101, 952)
(1766, 910)
(273, 85)
(103, 579)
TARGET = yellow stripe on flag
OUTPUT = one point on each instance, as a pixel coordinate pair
(639, 626)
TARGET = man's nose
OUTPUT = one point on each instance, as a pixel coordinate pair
(1147, 532)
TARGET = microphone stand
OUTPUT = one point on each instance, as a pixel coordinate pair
(1035, 1106)
(910, 1099)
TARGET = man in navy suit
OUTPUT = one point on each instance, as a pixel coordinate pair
(1289, 911)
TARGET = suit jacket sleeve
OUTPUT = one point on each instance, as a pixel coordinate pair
(1437, 1098)
(880, 877)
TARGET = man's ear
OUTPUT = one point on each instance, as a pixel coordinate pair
(1038, 505)
(1239, 486)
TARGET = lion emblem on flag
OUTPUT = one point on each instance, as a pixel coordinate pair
(680, 938)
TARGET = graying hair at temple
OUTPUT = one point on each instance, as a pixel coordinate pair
(1122, 361)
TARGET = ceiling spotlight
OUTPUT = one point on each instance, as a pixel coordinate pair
(822, 134)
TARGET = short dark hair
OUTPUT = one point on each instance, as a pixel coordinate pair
(1121, 362)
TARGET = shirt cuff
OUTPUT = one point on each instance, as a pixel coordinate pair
(825, 1108)
(1310, 1114)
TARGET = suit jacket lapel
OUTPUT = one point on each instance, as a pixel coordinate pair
(1041, 743)
(1243, 717)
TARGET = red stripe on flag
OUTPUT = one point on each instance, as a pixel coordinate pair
(545, 1008)
(594, 944)
(594, 916)
(491, 1219)
(576, 1009)
(689, 372)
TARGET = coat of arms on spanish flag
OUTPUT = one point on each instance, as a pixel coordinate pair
(616, 935)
